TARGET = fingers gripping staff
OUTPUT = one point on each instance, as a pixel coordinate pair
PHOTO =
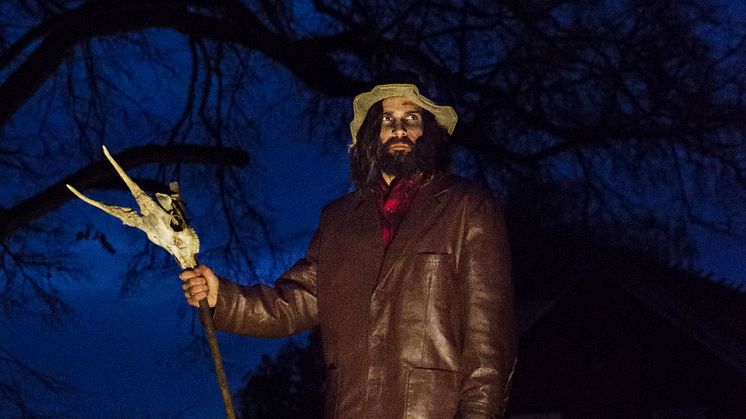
(165, 224)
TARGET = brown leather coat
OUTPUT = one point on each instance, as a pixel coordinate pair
(424, 329)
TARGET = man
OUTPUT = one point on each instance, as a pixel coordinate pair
(408, 277)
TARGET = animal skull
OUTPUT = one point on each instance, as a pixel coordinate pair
(163, 221)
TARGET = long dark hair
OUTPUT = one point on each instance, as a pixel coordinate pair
(432, 150)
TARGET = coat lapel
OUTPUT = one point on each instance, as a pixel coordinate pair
(368, 231)
(419, 217)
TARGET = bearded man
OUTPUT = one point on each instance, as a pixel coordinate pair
(408, 277)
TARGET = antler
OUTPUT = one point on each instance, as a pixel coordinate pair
(163, 222)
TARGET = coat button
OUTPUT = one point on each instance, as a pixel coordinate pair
(375, 340)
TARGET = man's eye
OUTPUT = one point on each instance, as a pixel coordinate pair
(413, 117)
(387, 119)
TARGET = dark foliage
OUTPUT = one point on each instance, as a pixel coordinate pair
(631, 111)
(286, 386)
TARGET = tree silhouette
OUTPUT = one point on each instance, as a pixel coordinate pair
(631, 111)
(287, 386)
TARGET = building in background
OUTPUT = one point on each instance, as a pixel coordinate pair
(625, 336)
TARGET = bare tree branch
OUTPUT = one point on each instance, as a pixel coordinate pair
(99, 173)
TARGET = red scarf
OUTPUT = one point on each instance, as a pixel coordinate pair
(394, 202)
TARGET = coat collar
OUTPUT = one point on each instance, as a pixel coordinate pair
(433, 188)
(420, 216)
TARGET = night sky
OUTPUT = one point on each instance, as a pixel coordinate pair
(124, 355)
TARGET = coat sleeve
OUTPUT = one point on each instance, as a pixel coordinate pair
(260, 310)
(488, 324)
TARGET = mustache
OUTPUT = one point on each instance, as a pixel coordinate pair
(399, 140)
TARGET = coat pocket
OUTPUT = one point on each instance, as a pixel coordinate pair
(437, 277)
(432, 394)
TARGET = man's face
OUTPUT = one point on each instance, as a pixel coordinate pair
(401, 124)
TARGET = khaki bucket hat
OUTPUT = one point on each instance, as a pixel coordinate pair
(445, 116)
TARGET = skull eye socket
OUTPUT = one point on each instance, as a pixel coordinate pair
(177, 223)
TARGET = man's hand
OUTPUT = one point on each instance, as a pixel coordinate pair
(199, 283)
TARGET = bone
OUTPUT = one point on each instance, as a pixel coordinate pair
(146, 204)
(127, 215)
(165, 224)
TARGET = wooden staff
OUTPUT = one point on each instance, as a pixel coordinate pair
(165, 224)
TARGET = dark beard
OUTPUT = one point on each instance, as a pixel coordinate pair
(400, 164)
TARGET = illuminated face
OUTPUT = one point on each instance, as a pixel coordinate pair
(402, 122)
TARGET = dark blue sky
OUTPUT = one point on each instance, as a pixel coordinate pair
(122, 354)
